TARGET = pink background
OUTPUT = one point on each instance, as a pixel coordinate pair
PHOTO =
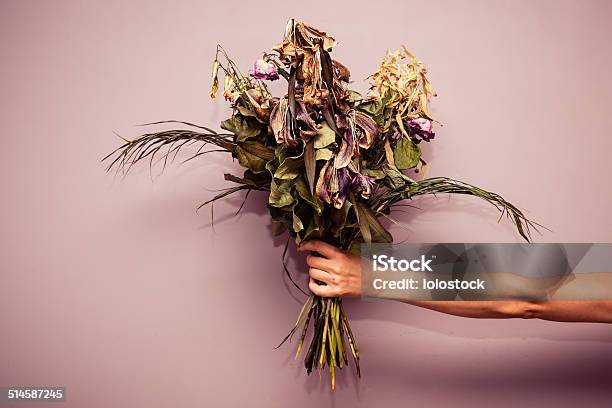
(119, 291)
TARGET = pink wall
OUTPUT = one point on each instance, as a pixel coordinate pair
(118, 290)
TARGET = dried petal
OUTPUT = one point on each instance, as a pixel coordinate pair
(261, 104)
(368, 128)
(346, 151)
(362, 185)
(302, 116)
(342, 188)
(215, 79)
(342, 72)
(423, 128)
(323, 182)
(230, 91)
(280, 122)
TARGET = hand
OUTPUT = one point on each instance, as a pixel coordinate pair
(339, 271)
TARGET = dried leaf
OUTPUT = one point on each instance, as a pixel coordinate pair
(324, 137)
(306, 195)
(389, 153)
(289, 168)
(310, 165)
(249, 160)
(297, 223)
(406, 154)
(372, 230)
(241, 126)
(323, 154)
(257, 149)
(280, 194)
(395, 178)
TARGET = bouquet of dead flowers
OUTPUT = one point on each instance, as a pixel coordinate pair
(331, 161)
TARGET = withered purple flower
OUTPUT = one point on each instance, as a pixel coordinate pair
(347, 149)
(263, 69)
(362, 185)
(343, 184)
(333, 185)
(422, 128)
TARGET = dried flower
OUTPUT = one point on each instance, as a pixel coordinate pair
(401, 81)
(264, 70)
(423, 128)
(331, 162)
(281, 123)
(215, 79)
(341, 186)
(230, 90)
(362, 185)
(368, 128)
(333, 185)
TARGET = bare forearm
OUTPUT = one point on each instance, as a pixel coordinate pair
(337, 273)
(562, 311)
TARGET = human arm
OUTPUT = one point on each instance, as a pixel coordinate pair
(341, 274)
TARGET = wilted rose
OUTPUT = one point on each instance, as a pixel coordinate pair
(264, 70)
(422, 128)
